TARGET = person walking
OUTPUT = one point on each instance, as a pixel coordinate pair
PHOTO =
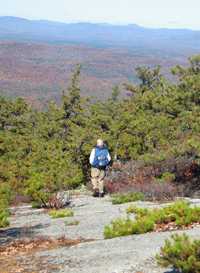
(99, 159)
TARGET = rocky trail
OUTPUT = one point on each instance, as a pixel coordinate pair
(87, 250)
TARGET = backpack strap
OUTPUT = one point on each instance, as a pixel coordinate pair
(100, 148)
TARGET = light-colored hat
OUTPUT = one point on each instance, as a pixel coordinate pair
(99, 140)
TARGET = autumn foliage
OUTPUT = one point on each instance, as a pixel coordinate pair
(39, 72)
(177, 177)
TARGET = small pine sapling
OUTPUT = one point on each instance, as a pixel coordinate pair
(181, 253)
(61, 213)
(125, 198)
(72, 223)
(4, 222)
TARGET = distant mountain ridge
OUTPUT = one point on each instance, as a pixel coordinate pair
(14, 28)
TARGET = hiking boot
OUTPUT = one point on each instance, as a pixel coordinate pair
(101, 194)
(96, 193)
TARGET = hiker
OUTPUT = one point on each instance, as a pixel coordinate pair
(99, 159)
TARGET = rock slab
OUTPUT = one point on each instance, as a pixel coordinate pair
(134, 253)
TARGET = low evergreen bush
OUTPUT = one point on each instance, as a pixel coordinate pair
(180, 213)
(125, 198)
(182, 254)
(61, 213)
(167, 177)
(72, 223)
(4, 222)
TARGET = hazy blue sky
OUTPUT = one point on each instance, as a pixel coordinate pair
(147, 13)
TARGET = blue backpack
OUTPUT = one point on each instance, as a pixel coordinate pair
(100, 159)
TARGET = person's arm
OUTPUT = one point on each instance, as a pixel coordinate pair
(92, 156)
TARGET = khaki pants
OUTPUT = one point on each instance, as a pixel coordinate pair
(97, 178)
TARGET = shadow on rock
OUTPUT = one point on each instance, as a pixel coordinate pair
(26, 231)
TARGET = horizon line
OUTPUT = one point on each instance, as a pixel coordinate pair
(97, 23)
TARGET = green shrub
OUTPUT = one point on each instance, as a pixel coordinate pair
(180, 212)
(124, 227)
(167, 177)
(61, 213)
(4, 222)
(125, 198)
(121, 227)
(72, 223)
(182, 254)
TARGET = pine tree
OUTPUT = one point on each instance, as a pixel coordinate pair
(150, 80)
